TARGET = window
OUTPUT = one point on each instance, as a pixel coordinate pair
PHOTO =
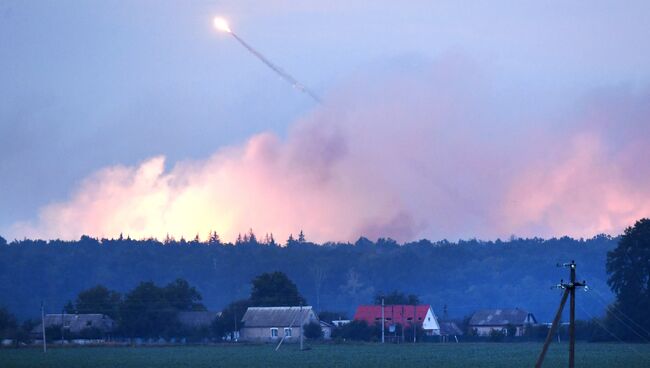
(287, 332)
(274, 332)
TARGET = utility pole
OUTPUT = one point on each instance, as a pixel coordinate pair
(62, 324)
(43, 326)
(382, 320)
(569, 291)
(403, 326)
(302, 326)
(415, 326)
(235, 333)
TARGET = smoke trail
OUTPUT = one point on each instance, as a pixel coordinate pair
(286, 76)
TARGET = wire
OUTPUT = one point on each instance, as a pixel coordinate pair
(613, 309)
(611, 333)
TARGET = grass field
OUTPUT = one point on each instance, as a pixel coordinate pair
(590, 355)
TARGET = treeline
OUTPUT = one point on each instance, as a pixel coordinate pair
(457, 277)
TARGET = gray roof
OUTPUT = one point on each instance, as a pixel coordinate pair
(501, 317)
(77, 322)
(278, 316)
(197, 319)
(449, 328)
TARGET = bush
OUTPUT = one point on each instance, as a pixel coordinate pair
(313, 331)
(90, 333)
(355, 330)
(497, 335)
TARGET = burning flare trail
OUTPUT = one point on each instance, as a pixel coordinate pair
(222, 25)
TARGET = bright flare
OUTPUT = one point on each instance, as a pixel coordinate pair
(221, 24)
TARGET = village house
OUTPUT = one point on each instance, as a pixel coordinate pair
(268, 324)
(77, 324)
(516, 320)
(403, 315)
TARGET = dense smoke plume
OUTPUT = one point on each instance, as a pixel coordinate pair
(420, 153)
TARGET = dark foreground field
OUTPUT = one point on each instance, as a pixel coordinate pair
(371, 355)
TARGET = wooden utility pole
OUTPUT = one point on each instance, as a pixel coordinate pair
(415, 326)
(382, 320)
(302, 326)
(569, 291)
(43, 326)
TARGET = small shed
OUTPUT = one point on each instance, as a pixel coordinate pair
(327, 329)
(449, 331)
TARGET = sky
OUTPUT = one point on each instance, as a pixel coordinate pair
(438, 119)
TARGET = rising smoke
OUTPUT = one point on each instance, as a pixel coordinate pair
(420, 153)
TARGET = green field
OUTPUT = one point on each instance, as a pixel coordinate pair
(590, 355)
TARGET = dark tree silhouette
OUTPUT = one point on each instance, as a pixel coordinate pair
(274, 290)
(313, 331)
(230, 318)
(183, 297)
(628, 267)
(7, 321)
(98, 300)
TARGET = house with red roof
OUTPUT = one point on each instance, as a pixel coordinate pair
(404, 315)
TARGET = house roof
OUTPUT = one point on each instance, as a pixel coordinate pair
(78, 322)
(500, 317)
(197, 319)
(277, 316)
(393, 314)
(449, 328)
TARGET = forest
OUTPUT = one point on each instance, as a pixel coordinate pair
(456, 278)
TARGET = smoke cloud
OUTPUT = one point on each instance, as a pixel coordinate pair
(422, 152)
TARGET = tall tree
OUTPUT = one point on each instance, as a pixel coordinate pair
(7, 321)
(98, 300)
(230, 319)
(146, 312)
(628, 267)
(274, 290)
(214, 238)
(183, 297)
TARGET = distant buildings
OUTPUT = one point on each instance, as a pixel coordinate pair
(403, 315)
(198, 319)
(81, 325)
(267, 324)
(506, 321)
